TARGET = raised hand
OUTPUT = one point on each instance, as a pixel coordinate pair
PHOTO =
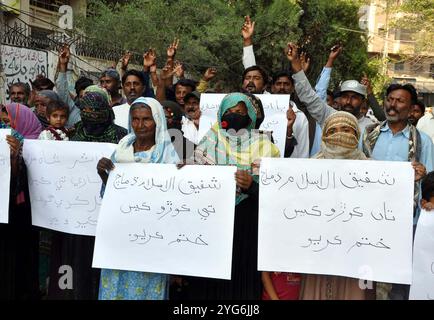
(305, 61)
(248, 28)
(149, 58)
(166, 72)
(64, 55)
(171, 50)
(292, 55)
(209, 74)
(178, 70)
(125, 60)
(335, 51)
(365, 81)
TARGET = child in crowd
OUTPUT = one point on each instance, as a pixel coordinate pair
(57, 116)
(280, 285)
(427, 201)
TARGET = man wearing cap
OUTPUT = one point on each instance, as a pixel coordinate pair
(351, 97)
(111, 81)
(392, 140)
(190, 122)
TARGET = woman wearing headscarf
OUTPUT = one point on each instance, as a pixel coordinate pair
(18, 239)
(76, 251)
(147, 142)
(97, 119)
(42, 99)
(239, 145)
(340, 139)
(23, 120)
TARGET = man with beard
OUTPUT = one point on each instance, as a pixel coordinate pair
(392, 140)
(254, 80)
(19, 92)
(352, 94)
(111, 81)
(398, 140)
(282, 84)
(190, 122)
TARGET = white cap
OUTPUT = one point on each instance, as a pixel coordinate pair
(355, 86)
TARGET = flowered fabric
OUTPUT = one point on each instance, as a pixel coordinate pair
(218, 147)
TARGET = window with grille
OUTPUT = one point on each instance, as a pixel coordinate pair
(48, 5)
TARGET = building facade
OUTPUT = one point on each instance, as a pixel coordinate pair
(395, 44)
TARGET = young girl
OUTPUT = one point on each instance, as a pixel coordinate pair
(57, 116)
(280, 285)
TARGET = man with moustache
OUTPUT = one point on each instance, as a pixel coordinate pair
(352, 94)
(134, 85)
(19, 92)
(416, 113)
(190, 122)
(396, 139)
(111, 81)
(392, 140)
(282, 84)
(255, 80)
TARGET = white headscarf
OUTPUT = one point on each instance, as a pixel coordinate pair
(163, 150)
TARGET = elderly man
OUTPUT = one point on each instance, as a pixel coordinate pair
(19, 92)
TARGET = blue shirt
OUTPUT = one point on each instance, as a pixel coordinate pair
(323, 83)
(316, 147)
(390, 147)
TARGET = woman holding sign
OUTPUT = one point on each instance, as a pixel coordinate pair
(148, 141)
(233, 140)
(71, 255)
(18, 239)
(340, 139)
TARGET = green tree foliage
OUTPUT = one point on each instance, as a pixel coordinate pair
(417, 16)
(326, 23)
(210, 32)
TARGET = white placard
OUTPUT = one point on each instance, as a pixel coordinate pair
(339, 217)
(275, 107)
(22, 64)
(422, 287)
(122, 114)
(156, 218)
(64, 184)
(5, 175)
